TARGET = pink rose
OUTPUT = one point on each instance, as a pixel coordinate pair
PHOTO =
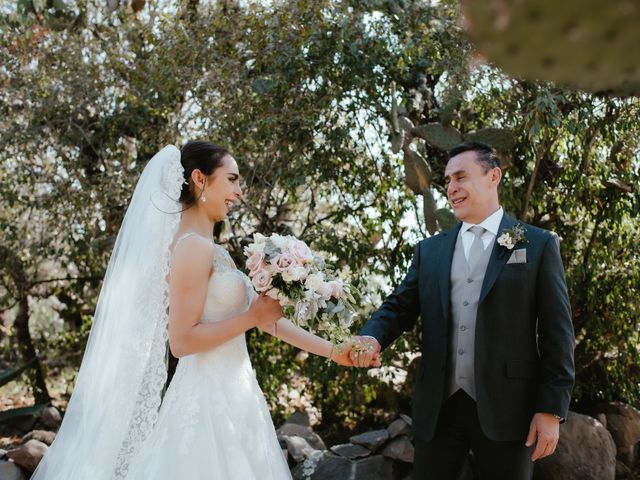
(301, 251)
(283, 261)
(254, 262)
(261, 280)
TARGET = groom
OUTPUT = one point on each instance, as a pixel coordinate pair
(497, 341)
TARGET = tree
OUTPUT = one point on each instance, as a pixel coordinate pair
(311, 97)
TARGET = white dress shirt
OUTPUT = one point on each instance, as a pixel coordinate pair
(491, 224)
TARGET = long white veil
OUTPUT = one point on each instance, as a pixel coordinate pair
(118, 391)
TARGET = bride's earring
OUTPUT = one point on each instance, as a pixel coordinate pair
(202, 197)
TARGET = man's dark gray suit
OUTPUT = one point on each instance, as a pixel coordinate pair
(523, 340)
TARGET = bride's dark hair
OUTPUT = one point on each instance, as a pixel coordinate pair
(198, 155)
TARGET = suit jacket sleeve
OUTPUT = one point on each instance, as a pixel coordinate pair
(555, 333)
(399, 311)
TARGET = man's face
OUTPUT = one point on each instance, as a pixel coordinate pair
(472, 192)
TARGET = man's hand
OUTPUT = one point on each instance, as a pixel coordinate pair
(364, 351)
(341, 356)
(546, 428)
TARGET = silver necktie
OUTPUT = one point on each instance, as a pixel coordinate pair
(477, 247)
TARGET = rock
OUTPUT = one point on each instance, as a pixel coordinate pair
(28, 455)
(623, 421)
(350, 451)
(23, 423)
(298, 448)
(324, 466)
(10, 471)
(602, 418)
(399, 448)
(371, 440)
(585, 451)
(623, 472)
(299, 418)
(50, 417)
(43, 436)
(399, 427)
(294, 430)
(406, 418)
(375, 467)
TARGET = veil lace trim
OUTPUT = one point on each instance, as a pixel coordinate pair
(149, 398)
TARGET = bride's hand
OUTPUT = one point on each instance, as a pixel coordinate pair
(266, 311)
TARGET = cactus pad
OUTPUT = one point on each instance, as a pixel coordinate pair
(439, 136)
(417, 171)
(500, 139)
(430, 207)
(590, 45)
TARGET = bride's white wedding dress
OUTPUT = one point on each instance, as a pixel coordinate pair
(214, 422)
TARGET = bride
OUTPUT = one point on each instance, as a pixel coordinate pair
(168, 282)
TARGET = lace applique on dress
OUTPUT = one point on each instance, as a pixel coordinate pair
(222, 261)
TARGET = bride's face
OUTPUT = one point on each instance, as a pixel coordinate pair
(221, 189)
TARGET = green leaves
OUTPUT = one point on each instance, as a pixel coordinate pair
(263, 85)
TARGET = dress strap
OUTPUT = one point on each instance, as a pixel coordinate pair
(182, 237)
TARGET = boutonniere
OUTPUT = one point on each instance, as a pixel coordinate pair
(512, 237)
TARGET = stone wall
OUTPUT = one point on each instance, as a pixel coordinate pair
(604, 447)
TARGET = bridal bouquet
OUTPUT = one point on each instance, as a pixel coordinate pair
(308, 290)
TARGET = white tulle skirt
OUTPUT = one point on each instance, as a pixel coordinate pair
(214, 423)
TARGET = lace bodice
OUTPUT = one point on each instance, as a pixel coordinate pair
(229, 291)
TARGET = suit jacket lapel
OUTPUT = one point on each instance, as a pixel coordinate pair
(444, 266)
(498, 259)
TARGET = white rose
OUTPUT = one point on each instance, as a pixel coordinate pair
(325, 290)
(314, 281)
(253, 248)
(274, 293)
(259, 239)
(336, 289)
(294, 274)
(279, 241)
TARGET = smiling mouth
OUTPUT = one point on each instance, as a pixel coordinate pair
(458, 201)
(229, 204)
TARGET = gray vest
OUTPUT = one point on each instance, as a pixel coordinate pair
(465, 293)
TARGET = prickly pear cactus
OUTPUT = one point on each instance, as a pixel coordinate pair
(430, 208)
(397, 140)
(417, 171)
(586, 44)
(438, 135)
(401, 126)
(500, 139)
(405, 124)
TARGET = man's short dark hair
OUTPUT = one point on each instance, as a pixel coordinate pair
(485, 154)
